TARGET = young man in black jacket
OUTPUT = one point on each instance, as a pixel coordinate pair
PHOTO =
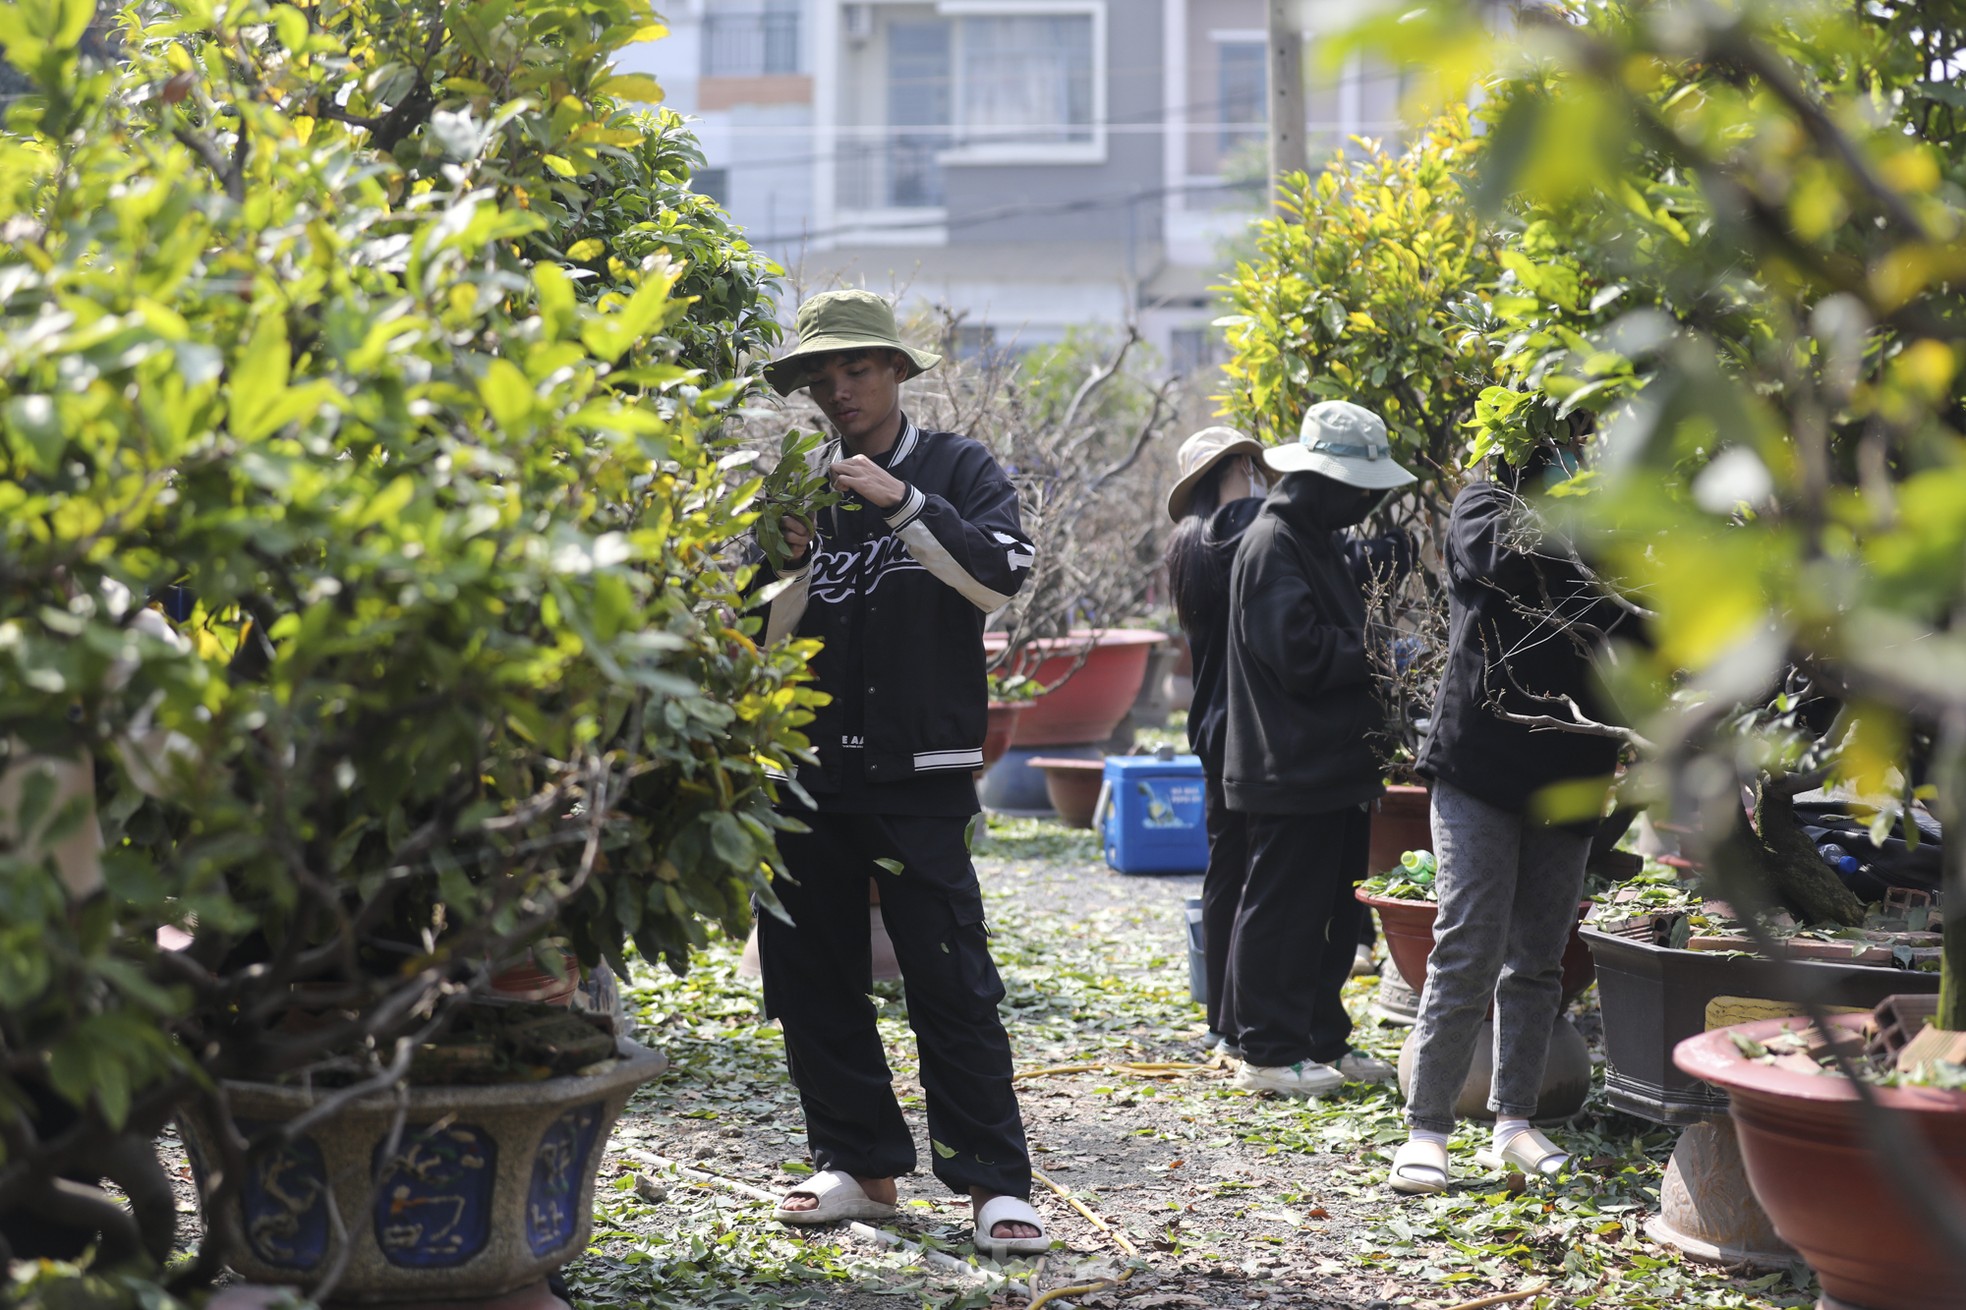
(1299, 761)
(896, 581)
(1523, 622)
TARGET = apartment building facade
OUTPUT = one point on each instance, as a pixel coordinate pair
(1038, 164)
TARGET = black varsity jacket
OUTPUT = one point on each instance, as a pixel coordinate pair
(917, 581)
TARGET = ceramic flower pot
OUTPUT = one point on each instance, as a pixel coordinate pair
(1087, 704)
(1073, 787)
(1655, 997)
(1401, 822)
(1409, 929)
(1001, 729)
(488, 1189)
(1815, 1171)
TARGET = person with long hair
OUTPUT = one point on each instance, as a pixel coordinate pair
(1221, 488)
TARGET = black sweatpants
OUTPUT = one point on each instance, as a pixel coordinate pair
(815, 975)
(1221, 893)
(1296, 933)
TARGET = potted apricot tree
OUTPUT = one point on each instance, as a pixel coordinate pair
(360, 558)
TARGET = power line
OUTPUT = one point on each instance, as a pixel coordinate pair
(1157, 121)
(976, 218)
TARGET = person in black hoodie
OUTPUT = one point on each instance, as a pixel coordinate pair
(1222, 484)
(1523, 621)
(896, 580)
(1299, 763)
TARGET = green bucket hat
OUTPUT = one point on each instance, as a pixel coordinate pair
(842, 320)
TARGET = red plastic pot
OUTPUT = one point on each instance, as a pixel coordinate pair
(1001, 729)
(1409, 927)
(1401, 822)
(1073, 786)
(524, 980)
(1814, 1170)
(1088, 704)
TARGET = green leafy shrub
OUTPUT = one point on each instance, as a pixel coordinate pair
(1370, 287)
(1736, 238)
(383, 345)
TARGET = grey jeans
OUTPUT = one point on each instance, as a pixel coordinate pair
(1508, 891)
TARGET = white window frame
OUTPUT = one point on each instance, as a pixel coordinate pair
(1090, 151)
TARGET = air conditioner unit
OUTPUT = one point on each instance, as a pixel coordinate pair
(857, 22)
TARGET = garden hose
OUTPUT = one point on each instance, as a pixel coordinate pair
(1501, 1298)
(1073, 1201)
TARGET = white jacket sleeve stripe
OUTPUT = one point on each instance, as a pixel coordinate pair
(932, 555)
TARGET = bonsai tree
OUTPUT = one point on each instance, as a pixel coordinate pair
(377, 344)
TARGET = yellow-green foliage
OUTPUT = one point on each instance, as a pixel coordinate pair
(1370, 288)
(297, 337)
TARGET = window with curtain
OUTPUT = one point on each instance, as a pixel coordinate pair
(1025, 79)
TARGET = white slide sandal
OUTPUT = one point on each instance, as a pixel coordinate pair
(838, 1196)
(1009, 1209)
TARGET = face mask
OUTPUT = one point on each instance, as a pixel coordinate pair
(1336, 504)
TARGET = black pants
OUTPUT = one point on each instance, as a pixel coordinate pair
(1296, 933)
(1221, 893)
(815, 974)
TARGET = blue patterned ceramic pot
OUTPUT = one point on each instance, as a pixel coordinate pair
(484, 1190)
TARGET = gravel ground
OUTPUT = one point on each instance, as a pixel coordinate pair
(1224, 1198)
(1210, 1197)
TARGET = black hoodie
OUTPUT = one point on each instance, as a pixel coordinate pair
(1513, 629)
(1301, 706)
(1208, 638)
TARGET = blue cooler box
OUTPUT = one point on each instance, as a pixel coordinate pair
(1150, 814)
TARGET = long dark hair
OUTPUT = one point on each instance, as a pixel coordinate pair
(1198, 564)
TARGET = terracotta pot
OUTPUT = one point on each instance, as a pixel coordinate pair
(1073, 786)
(1409, 929)
(1813, 1168)
(1087, 705)
(1001, 729)
(525, 980)
(1401, 822)
(488, 1190)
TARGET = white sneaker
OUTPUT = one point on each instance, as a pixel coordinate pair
(1363, 965)
(1358, 1067)
(1305, 1078)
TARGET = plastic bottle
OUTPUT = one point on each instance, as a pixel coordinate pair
(1839, 859)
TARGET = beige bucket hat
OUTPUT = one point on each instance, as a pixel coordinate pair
(1344, 442)
(1198, 454)
(842, 320)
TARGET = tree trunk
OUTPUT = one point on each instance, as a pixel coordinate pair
(1951, 778)
(1796, 873)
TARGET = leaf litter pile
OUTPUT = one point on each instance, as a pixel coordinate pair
(1167, 1188)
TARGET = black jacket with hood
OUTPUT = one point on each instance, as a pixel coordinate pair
(1208, 630)
(1301, 705)
(899, 598)
(1513, 630)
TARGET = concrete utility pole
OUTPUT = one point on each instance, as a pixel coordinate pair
(1287, 152)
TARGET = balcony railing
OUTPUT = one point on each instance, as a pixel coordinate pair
(750, 45)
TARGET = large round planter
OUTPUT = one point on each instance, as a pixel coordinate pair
(488, 1190)
(1401, 822)
(1409, 929)
(1000, 729)
(1087, 704)
(1813, 1168)
(1655, 997)
(1566, 1081)
(1013, 785)
(1072, 786)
